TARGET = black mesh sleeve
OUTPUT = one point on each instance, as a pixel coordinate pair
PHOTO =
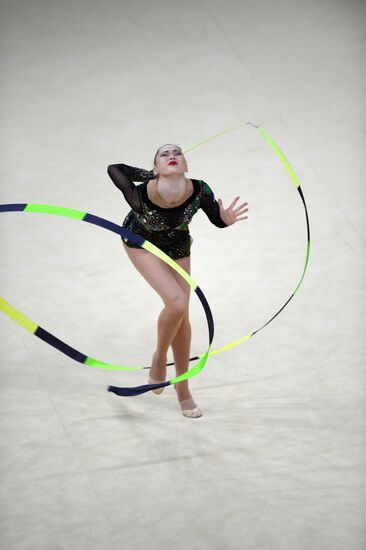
(123, 176)
(210, 206)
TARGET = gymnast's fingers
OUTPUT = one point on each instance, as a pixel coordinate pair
(241, 206)
(234, 202)
(239, 211)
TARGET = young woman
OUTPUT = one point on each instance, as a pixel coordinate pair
(162, 207)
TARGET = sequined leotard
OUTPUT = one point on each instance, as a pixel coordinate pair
(167, 228)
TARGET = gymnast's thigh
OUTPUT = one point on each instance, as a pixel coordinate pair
(184, 263)
(157, 274)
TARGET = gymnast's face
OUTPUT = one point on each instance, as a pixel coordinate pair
(169, 160)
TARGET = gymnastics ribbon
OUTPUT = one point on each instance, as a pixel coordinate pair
(52, 340)
(202, 358)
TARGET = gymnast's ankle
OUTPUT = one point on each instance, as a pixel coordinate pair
(158, 367)
(183, 392)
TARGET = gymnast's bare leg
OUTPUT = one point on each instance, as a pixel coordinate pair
(173, 322)
(182, 341)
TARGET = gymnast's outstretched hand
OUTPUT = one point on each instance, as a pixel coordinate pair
(231, 214)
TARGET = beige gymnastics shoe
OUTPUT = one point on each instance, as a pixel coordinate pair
(190, 409)
(153, 381)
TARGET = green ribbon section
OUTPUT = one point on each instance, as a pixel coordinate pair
(55, 210)
(196, 369)
(90, 362)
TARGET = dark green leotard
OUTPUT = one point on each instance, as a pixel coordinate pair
(167, 228)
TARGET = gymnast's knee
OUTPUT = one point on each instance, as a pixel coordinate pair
(177, 304)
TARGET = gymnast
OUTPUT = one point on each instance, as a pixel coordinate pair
(162, 207)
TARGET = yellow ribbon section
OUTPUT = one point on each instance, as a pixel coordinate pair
(231, 345)
(18, 317)
(281, 156)
(160, 254)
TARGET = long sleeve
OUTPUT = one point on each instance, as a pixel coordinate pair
(123, 176)
(210, 206)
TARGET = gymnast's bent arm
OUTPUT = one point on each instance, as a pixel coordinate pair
(123, 176)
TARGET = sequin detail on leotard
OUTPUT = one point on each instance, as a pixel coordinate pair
(153, 225)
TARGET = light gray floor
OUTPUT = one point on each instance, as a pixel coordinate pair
(277, 462)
